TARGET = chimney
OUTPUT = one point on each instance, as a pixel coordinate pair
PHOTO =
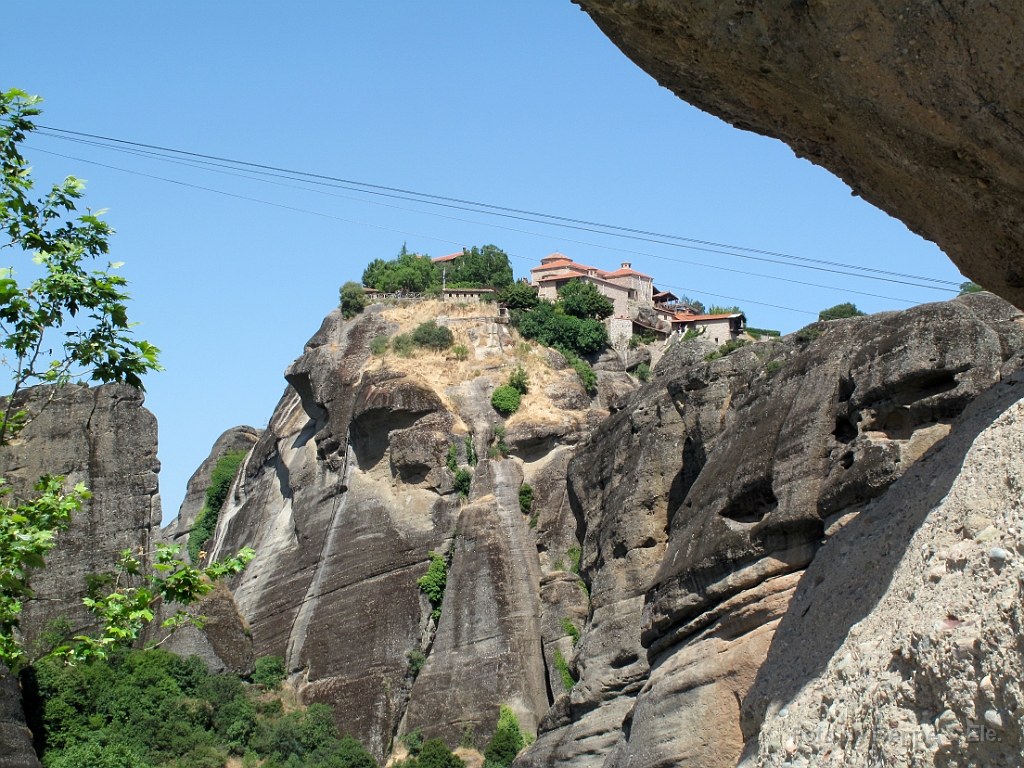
(627, 265)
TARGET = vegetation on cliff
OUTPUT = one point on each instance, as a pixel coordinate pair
(142, 709)
(477, 267)
(71, 325)
(206, 521)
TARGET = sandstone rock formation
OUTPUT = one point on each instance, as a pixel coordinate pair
(103, 437)
(902, 644)
(348, 491)
(703, 501)
(916, 106)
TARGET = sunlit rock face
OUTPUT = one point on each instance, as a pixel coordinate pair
(705, 499)
(918, 107)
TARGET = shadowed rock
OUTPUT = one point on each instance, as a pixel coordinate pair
(917, 107)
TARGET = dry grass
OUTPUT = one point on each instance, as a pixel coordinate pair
(440, 370)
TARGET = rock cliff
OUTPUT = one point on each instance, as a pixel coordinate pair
(349, 491)
(105, 438)
(916, 106)
(703, 502)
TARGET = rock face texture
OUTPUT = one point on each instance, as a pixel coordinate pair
(102, 437)
(902, 644)
(345, 496)
(235, 439)
(703, 502)
(917, 107)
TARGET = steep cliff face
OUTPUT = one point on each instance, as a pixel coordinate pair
(235, 439)
(915, 106)
(704, 500)
(103, 437)
(347, 493)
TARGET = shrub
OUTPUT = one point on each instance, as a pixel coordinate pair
(525, 498)
(519, 380)
(774, 366)
(506, 400)
(402, 345)
(693, 333)
(552, 328)
(568, 681)
(413, 741)
(571, 630)
(574, 557)
(379, 345)
(461, 351)
(969, 287)
(499, 437)
(558, 565)
(727, 349)
(436, 754)
(647, 337)
(757, 333)
(470, 450)
(352, 299)
(205, 523)
(643, 372)
(416, 661)
(808, 334)
(453, 460)
(583, 370)
(507, 740)
(434, 581)
(840, 311)
(463, 481)
(270, 671)
(432, 336)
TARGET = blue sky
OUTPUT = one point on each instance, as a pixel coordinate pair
(524, 104)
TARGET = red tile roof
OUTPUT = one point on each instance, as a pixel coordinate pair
(449, 257)
(625, 272)
(682, 316)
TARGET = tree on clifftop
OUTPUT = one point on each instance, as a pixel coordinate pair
(582, 299)
(840, 311)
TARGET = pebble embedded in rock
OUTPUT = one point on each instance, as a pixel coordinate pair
(993, 719)
(998, 555)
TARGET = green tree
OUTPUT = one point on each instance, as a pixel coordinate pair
(205, 524)
(840, 311)
(433, 336)
(436, 754)
(406, 272)
(507, 740)
(519, 296)
(506, 399)
(969, 287)
(353, 299)
(270, 671)
(100, 347)
(34, 329)
(716, 309)
(483, 267)
(581, 298)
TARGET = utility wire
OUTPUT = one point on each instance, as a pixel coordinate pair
(369, 224)
(554, 220)
(498, 226)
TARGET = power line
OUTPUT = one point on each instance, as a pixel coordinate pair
(376, 226)
(499, 226)
(618, 231)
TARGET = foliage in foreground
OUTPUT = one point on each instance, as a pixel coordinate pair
(205, 524)
(151, 708)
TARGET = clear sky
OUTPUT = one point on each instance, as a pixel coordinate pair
(523, 104)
